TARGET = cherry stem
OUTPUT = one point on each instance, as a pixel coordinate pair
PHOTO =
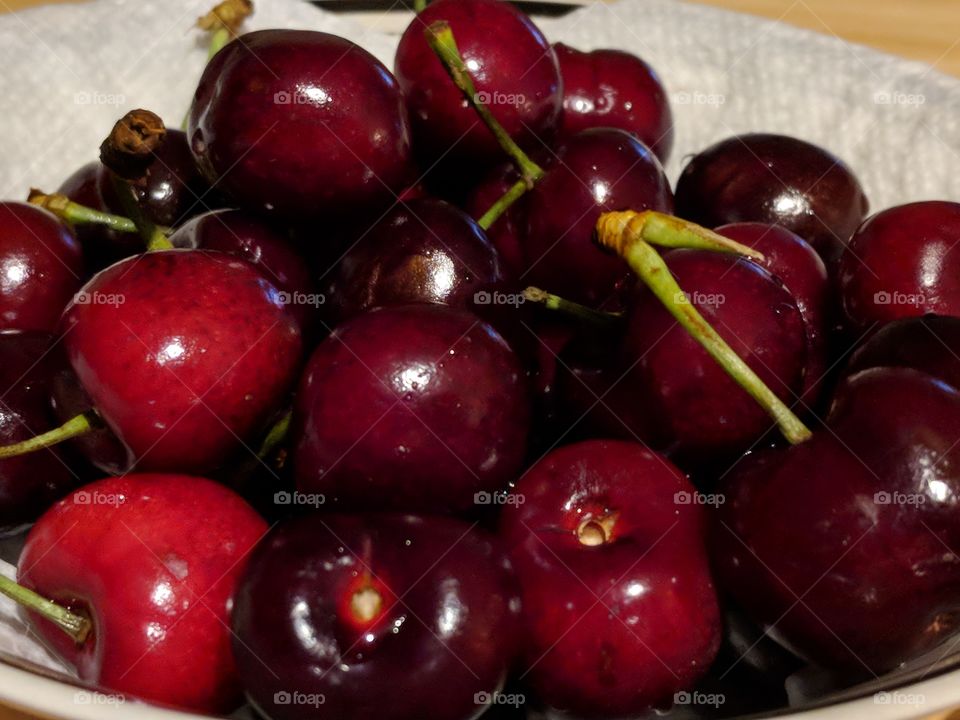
(573, 309)
(77, 214)
(276, 435)
(646, 262)
(153, 234)
(668, 231)
(74, 427)
(593, 531)
(503, 204)
(441, 40)
(366, 604)
(76, 626)
(419, 6)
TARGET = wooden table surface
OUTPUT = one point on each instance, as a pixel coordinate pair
(926, 30)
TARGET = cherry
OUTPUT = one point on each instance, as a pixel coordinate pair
(41, 267)
(865, 512)
(929, 344)
(339, 607)
(612, 88)
(152, 562)
(413, 407)
(514, 69)
(184, 354)
(902, 263)
(28, 485)
(619, 611)
(422, 251)
(774, 179)
(305, 124)
(597, 170)
(508, 231)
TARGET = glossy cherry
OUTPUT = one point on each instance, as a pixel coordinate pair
(339, 607)
(613, 88)
(619, 611)
(866, 513)
(596, 171)
(903, 262)
(775, 179)
(184, 354)
(41, 267)
(422, 251)
(512, 65)
(410, 407)
(304, 124)
(152, 561)
(29, 484)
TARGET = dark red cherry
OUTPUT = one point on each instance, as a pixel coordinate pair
(792, 260)
(596, 171)
(512, 65)
(422, 251)
(411, 408)
(613, 88)
(903, 262)
(339, 607)
(305, 124)
(152, 561)
(507, 232)
(774, 179)
(266, 248)
(29, 484)
(929, 344)
(619, 610)
(826, 541)
(185, 354)
(41, 267)
(696, 408)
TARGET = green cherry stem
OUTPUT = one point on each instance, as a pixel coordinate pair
(153, 235)
(276, 435)
(76, 626)
(668, 231)
(646, 262)
(573, 309)
(74, 427)
(503, 204)
(419, 6)
(77, 214)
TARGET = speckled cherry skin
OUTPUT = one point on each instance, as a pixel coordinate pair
(615, 629)
(613, 88)
(449, 610)
(306, 124)
(262, 245)
(807, 522)
(596, 171)
(930, 344)
(698, 409)
(41, 267)
(153, 561)
(30, 483)
(422, 251)
(410, 408)
(512, 66)
(775, 179)
(794, 262)
(190, 364)
(902, 262)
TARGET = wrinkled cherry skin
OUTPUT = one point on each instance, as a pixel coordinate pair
(807, 521)
(449, 610)
(612, 88)
(184, 353)
(410, 408)
(794, 262)
(698, 409)
(929, 344)
(153, 560)
(596, 171)
(903, 262)
(305, 124)
(236, 232)
(41, 267)
(422, 251)
(512, 65)
(614, 629)
(30, 483)
(774, 179)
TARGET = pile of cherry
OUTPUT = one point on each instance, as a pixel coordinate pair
(311, 308)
